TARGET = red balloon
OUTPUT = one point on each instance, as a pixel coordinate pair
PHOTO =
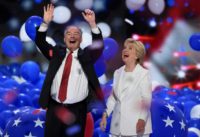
(89, 128)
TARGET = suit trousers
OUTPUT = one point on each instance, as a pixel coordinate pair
(65, 120)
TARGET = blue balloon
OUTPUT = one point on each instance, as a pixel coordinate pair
(3, 106)
(2, 122)
(31, 24)
(99, 133)
(14, 69)
(30, 71)
(23, 100)
(25, 87)
(40, 81)
(97, 113)
(34, 91)
(31, 121)
(187, 108)
(107, 88)
(195, 41)
(100, 67)
(12, 46)
(10, 83)
(1, 132)
(195, 123)
(110, 48)
(166, 118)
(4, 69)
(7, 114)
(192, 134)
(35, 101)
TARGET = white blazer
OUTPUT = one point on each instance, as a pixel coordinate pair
(130, 103)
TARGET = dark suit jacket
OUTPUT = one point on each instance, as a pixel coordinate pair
(86, 57)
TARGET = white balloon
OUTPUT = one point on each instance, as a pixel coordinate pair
(83, 4)
(103, 79)
(50, 41)
(23, 35)
(86, 40)
(83, 26)
(134, 4)
(105, 29)
(61, 14)
(156, 6)
(195, 112)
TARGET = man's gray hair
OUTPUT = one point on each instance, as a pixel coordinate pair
(66, 29)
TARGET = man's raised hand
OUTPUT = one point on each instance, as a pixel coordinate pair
(48, 13)
(89, 16)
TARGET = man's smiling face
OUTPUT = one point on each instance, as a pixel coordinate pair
(72, 37)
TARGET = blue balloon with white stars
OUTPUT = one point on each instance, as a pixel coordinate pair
(167, 120)
(29, 124)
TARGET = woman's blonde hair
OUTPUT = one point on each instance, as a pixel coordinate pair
(139, 49)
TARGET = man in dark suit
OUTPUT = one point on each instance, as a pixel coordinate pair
(71, 82)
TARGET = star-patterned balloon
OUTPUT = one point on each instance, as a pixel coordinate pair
(167, 120)
(28, 124)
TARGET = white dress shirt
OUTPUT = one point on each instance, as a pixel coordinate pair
(77, 89)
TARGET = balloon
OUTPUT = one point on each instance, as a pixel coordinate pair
(3, 106)
(10, 83)
(195, 112)
(23, 35)
(31, 24)
(23, 100)
(87, 40)
(97, 113)
(89, 126)
(83, 4)
(35, 101)
(110, 49)
(61, 14)
(188, 105)
(195, 41)
(1, 132)
(30, 123)
(156, 6)
(25, 87)
(105, 28)
(12, 46)
(134, 4)
(194, 123)
(99, 133)
(33, 92)
(40, 81)
(193, 132)
(6, 114)
(167, 119)
(30, 71)
(5, 71)
(100, 67)
(2, 122)
(14, 69)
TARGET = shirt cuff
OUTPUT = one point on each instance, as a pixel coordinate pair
(43, 27)
(95, 30)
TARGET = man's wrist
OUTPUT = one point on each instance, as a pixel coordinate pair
(93, 25)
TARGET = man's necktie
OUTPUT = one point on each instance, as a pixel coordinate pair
(65, 78)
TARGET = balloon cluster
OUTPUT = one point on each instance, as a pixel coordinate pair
(186, 100)
(20, 86)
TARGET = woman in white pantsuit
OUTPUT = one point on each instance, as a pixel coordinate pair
(131, 97)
